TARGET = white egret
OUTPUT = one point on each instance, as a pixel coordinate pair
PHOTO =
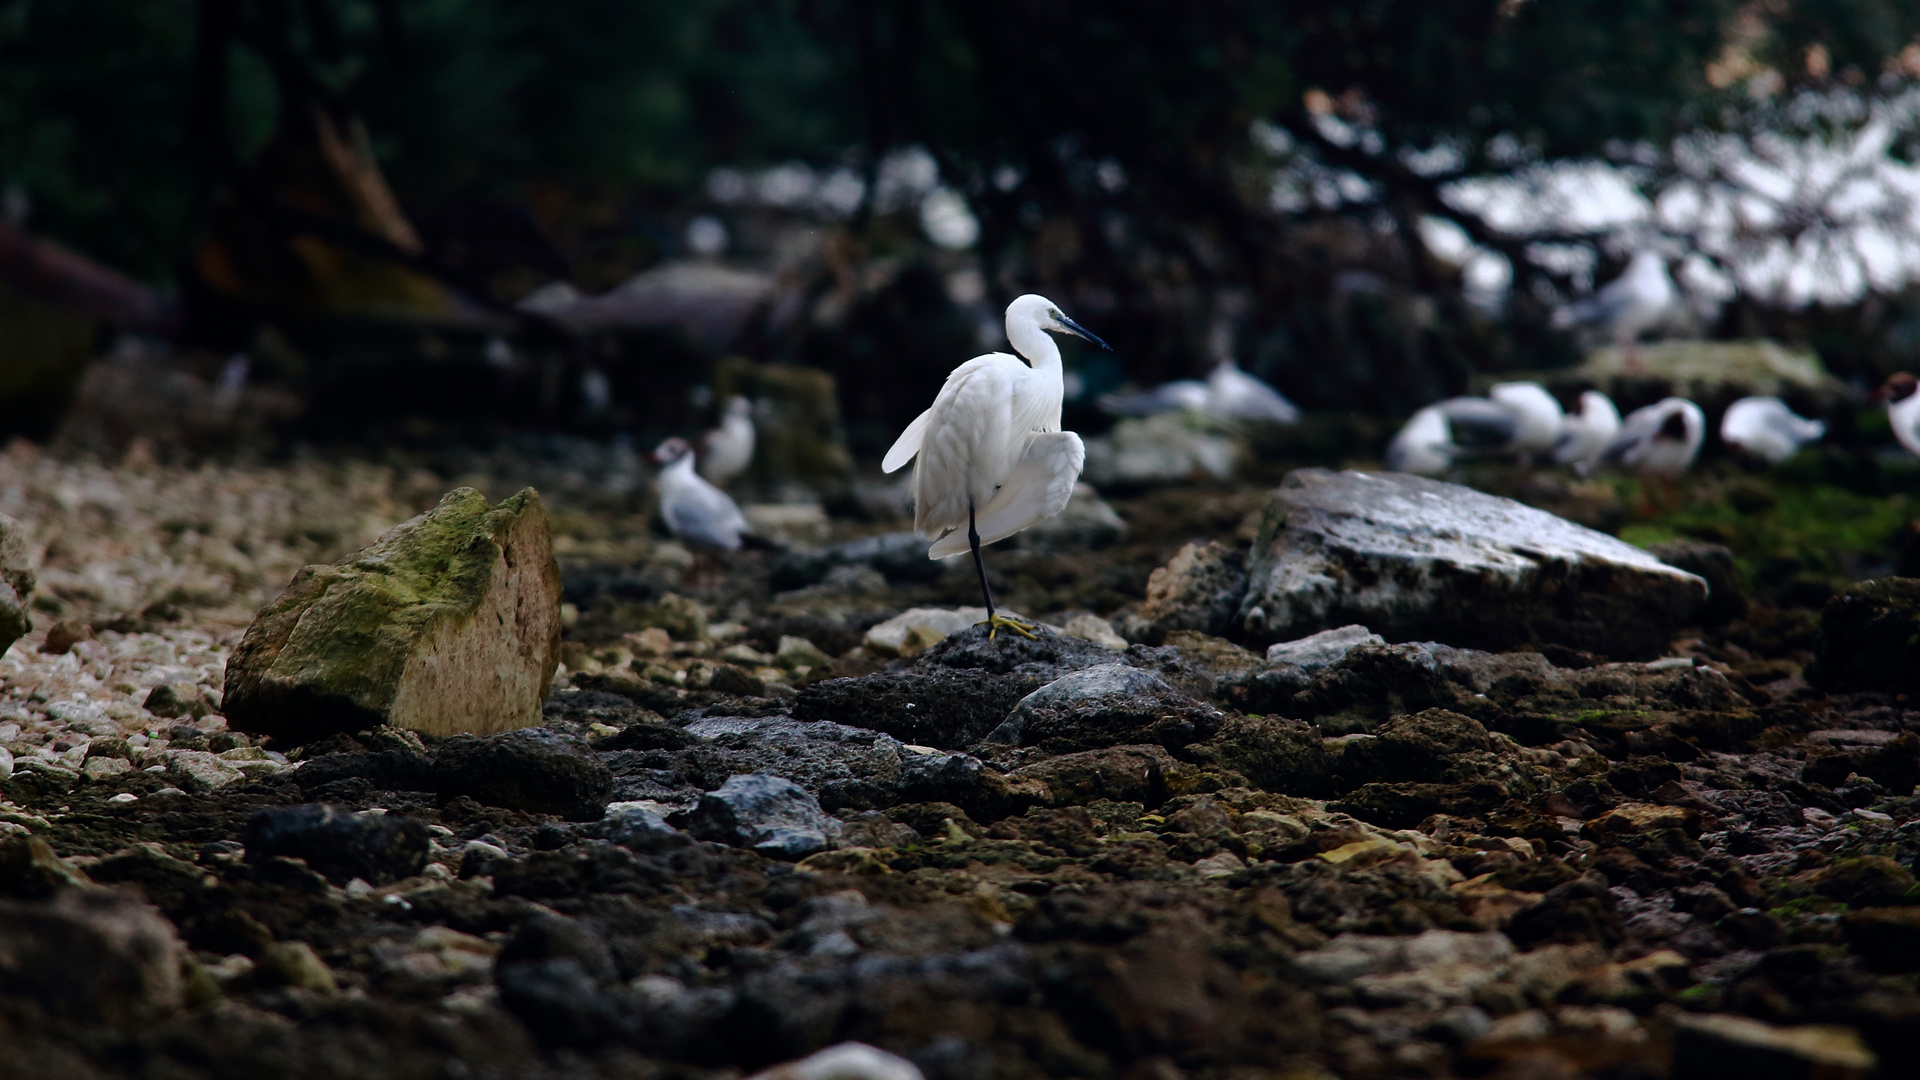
(1628, 306)
(1228, 394)
(726, 451)
(992, 457)
(1901, 392)
(1767, 429)
(1659, 442)
(1585, 435)
(696, 512)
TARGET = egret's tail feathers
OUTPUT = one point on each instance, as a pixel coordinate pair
(1040, 487)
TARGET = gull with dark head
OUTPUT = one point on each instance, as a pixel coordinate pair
(1585, 435)
(700, 515)
(992, 457)
(1659, 442)
(1901, 392)
(1765, 428)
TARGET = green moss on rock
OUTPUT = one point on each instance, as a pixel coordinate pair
(449, 623)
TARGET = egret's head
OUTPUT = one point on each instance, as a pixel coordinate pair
(672, 450)
(1899, 387)
(1035, 310)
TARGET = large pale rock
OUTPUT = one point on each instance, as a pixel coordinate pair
(1414, 558)
(16, 581)
(449, 624)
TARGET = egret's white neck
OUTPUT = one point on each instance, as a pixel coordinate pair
(1035, 344)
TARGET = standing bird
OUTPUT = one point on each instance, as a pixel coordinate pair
(1228, 394)
(1585, 435)
(1537, 418)
(1901, 392)
(992, 456)
(1437, 434)
(700, 515)
(1628, 306)
(726, 451)
(1659, 442)
(1767, 429)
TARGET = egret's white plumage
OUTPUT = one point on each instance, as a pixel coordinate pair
(696, 512)
(992, 459)
(1629, 305)
(1766, 428)
(727, 450)
(1660, 440)
(1902, 395)
(1537, 416)
(1585, 435)
(1228, 394)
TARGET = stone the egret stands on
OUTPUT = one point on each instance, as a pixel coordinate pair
(1767, 429)
(992, 457)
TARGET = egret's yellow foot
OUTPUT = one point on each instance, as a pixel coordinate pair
(995, 622)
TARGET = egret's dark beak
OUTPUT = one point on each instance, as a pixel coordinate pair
(1077, 330)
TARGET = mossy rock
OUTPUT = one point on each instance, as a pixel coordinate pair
(448, 624)
(16, 582)
(1870, 638)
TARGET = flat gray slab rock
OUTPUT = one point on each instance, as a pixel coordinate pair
(1414, 558)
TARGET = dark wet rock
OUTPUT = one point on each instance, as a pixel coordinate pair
(901, 557)
(635, 827)
(1724, 1047)
(1271, 752)
(16, 583)
(183, 701)
(1886, 938)
(773, 816)
(1405, 805)
(962, 780)
(1371, 683)
(926, 706)
(552, 975)
(1106, 706)
(651, 733)
(338, 843)
(1120, 773)
(1421, 746)
(843, 766)
(535, 770)
(388, 770)
(1045, 657)
(1713, 564)
(1894, 764)
(1577, 911)
(1870, 638)
(91, 955)
(1418, 558)
(1200, 589)
(30, 870)
(1868, 881)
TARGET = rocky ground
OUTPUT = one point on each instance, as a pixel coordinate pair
(752, 825)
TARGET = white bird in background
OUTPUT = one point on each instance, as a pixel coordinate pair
(1659, 442)
(1628, 306)
(1424, 445)
(1228, 394)
(993, 459)
(1901, 392)
(726, 451)
(1766, 428)
(699, 514)
(1437, 434)
(1537, 416)
(1585, 435)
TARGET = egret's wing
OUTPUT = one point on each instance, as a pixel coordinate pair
(1038, 487)
(1167, 397)
(1478, 424)
(907, 445)
(970, 443)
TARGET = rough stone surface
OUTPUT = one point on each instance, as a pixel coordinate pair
(537, 770)
(1106, 705)
(928, 707)
(1720, 1045)
(449, 623)
(1316, 651)
(377, 848)
(1418, 558)
(1870, 638)
(1200, 589)
(91, 955)
(773, 816)
(16, 583)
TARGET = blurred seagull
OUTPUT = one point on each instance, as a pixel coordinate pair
(993, 459)
(1901, 392)
(1537, 416)
(1585, 435)
(726, 451)
(1228, 394)
(1766, 428)
(1627, 306)
(1437, 434)
(700, 515)
(1660, 442)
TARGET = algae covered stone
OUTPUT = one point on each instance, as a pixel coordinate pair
(448, 624)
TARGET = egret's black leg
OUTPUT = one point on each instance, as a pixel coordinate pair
(994, 622)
